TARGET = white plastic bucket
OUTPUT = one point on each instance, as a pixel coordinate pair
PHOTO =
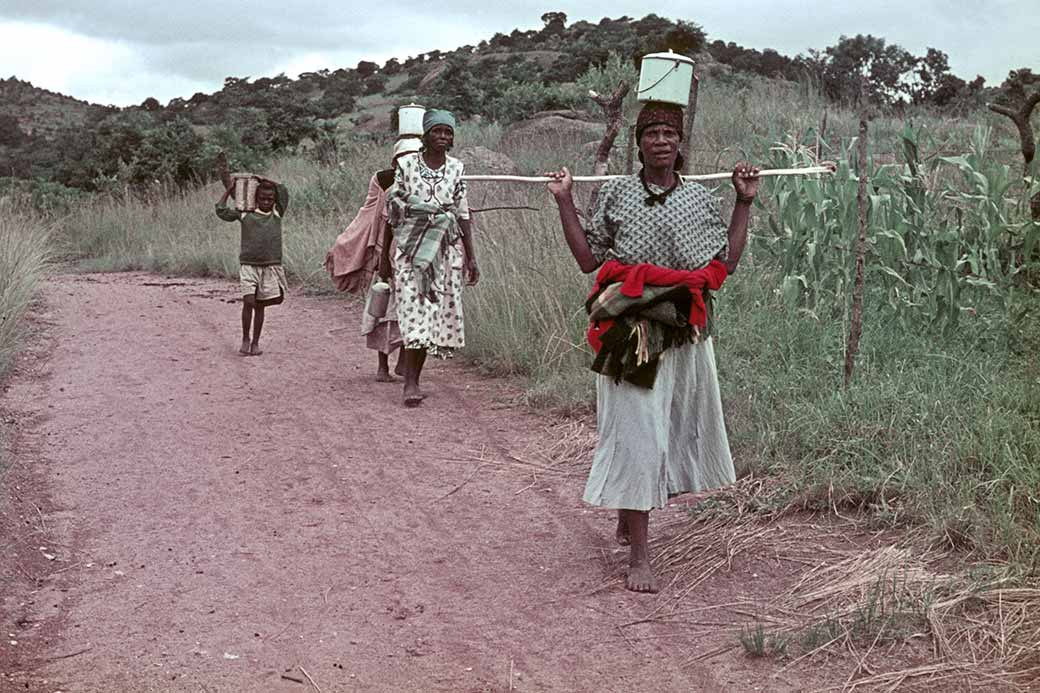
(665, 77)
(409, 120)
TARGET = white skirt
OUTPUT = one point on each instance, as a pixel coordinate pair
(663, 441)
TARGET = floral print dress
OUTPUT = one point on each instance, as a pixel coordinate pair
(436, 323)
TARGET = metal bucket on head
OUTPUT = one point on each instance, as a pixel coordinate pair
(245, 191)
(665, 77)
(409, 120)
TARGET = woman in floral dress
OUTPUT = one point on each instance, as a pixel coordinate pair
(430, 219)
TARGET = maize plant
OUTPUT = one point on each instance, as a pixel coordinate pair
(945, 236)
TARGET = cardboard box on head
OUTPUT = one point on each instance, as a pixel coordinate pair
(245, 191)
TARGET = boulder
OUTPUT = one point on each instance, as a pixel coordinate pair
(481, 160)
(427, 82)
(551, 132)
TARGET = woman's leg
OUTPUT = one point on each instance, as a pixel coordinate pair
(640, 575)
(383, 369)
(623, 534)
(414, 359)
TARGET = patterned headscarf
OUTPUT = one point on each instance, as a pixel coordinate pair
(435, 117)
(659, 113)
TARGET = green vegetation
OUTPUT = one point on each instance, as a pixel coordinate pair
(24, 251)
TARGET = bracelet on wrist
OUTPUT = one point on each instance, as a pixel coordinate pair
(746, 198)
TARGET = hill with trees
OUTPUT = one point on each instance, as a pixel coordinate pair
(505, 78)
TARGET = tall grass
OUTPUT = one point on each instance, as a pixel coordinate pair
(24, 253)
(527, 314)
(934, 431)
(179, 232)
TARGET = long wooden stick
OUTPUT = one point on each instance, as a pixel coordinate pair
(725, 175)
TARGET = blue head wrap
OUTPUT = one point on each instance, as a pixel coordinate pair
(435, 117)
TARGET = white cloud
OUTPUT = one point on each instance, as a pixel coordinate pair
(115, 51)
(56, 59)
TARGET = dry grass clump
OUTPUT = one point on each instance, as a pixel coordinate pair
(566, 449)
(980, 635)
(729, 523)
(981, 623)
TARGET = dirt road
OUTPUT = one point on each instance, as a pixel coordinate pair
(180, 518)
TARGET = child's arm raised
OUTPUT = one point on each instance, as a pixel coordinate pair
(281, 195)
(223, 211)
(281, 198)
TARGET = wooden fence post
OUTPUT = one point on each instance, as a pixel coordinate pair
(856, 319)
(691, 115)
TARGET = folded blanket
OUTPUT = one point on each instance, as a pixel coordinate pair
(421, 231)
(636, 312)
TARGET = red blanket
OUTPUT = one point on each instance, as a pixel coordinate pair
(634, 277)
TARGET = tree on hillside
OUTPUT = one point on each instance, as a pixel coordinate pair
(500, 41)
(458, 89)
(566, 68)
(555, 22)
(290, 122)
(170, 153)
(341, 92)
(685, 37)
(868, 59)
(366, 68)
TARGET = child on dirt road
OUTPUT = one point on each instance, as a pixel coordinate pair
(261, 276)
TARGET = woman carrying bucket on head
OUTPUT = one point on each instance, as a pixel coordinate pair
(353, 262)
(430, 219)
(660, 247)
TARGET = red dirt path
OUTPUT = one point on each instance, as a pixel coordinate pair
(217, 522)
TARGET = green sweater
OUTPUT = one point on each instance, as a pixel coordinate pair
(261, 233)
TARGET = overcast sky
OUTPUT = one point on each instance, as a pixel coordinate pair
(123, 51)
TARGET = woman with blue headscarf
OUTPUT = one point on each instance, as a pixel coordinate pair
(430, 219)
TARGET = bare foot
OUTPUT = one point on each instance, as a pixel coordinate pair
(399, 368)
(412, 396)
(385, 377)
(254, 349)
(641, 578)
(623, 534)
(244, 349)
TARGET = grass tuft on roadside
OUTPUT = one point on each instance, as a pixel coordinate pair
(24, 255)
